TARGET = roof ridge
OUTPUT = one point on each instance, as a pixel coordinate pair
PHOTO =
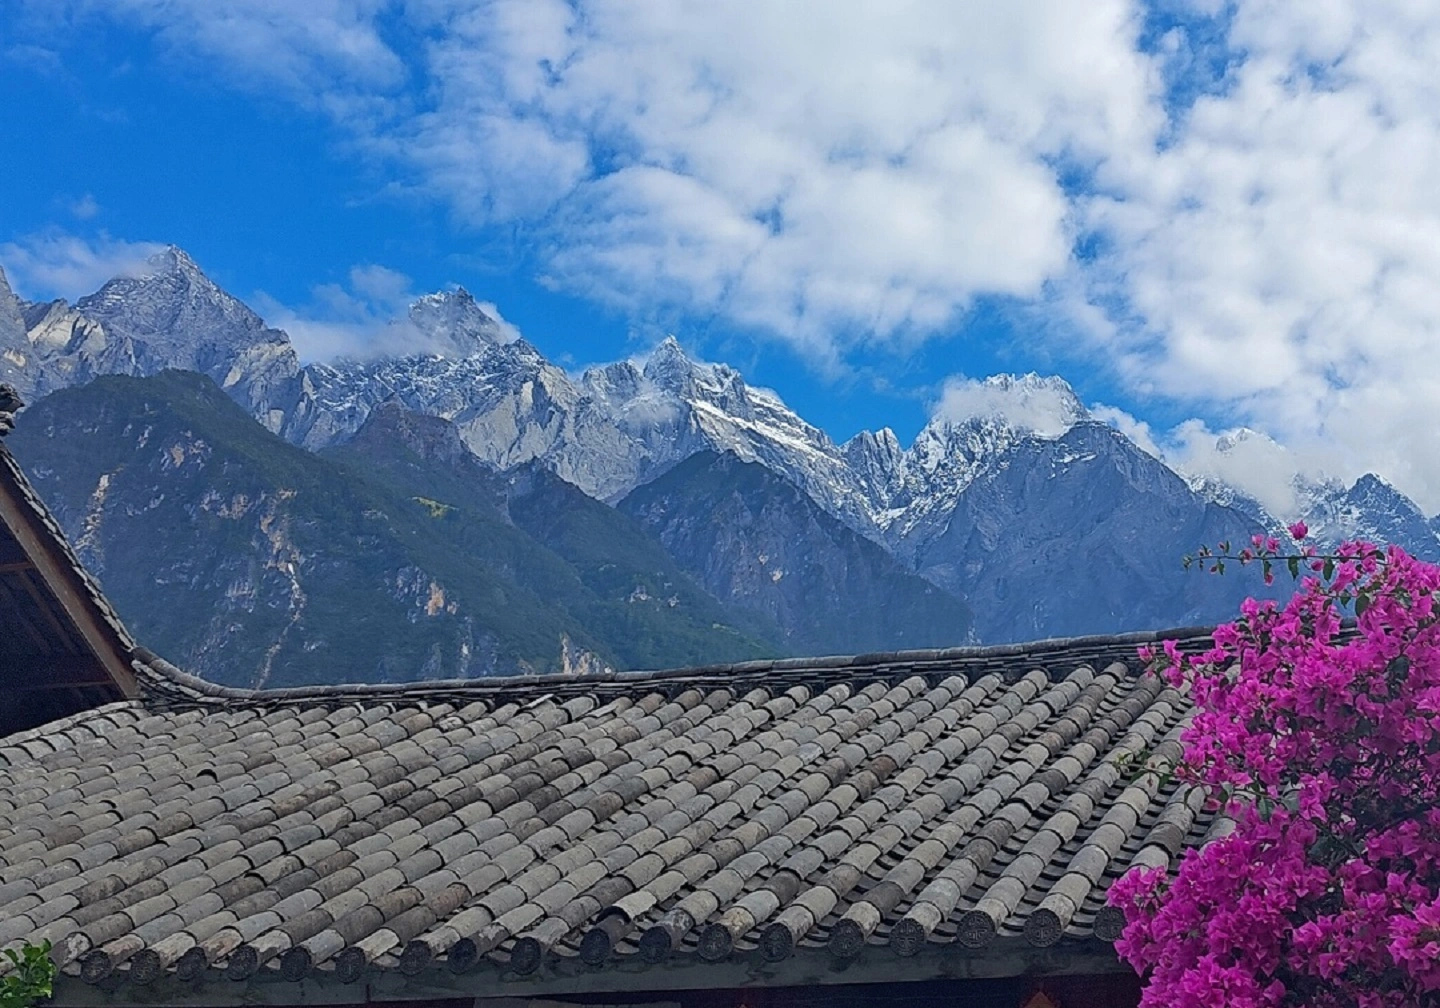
(167, 682)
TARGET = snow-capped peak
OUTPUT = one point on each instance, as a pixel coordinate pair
(453, 324)
(670, 367)
(170, 300)
(1027, 404)
(1232, 440)
(173, 259)
(1248, 470)
(720, 385)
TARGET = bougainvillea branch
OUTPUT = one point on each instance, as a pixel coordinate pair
(1318, 725)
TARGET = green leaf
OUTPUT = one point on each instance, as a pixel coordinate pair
(1294, 564)
(1329, 570)
(1362, 602)
(31, 980)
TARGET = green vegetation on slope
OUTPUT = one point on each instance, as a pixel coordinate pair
(252, 561)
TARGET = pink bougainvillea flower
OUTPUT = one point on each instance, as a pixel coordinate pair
(1320, 739)
(1299, 531)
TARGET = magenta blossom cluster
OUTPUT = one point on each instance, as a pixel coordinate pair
(1321, 739)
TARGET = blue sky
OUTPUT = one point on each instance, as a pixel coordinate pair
(1201, 214)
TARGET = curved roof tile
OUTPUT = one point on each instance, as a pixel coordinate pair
(837, 808)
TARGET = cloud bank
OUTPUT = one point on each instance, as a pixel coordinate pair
(58, 264)
(1234, 207)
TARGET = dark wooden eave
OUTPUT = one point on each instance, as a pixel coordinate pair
(62, 648)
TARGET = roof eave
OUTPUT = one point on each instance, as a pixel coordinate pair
(807, 967)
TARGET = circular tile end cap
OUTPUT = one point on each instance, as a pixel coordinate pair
(1043, 928)
(846, 940)
(526, 956)
(350, 965)
(95, 966)
(243, 963)
(145, 966)
(907, 937)
(976, 929)
(192, 965)
(463, 954)
(1109, 923)
(295, 964)
(415, 958)
(776, 943)
(654, 944)
(715, 942)
(596, 947)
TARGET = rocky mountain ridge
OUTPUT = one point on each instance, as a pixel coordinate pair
(1017, 454)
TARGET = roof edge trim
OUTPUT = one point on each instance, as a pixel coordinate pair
(173, 677)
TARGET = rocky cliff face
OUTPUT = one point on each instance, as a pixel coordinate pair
(509, 403)
(615, 428)
(1081, 533)
(759, 542)
(1370, 509)
(1373, 510)
(14, 346)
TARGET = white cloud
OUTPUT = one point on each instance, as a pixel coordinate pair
(353, 319)
(84, 208)
(55, 263)
(1135, 429)
(1242, 458)
(319, 50)
(829, 171)
(1281, 259)
(1044, 406)
(364, 317)
(841, 171)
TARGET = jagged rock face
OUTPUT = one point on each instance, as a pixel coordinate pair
(176, 312)
(1374, 511)
(14, 347)
(756, 540)
(975, 468)
(510, 405)
(1082, 534)
(874, 459)
(926, 482)
(1370, 509)
(176, 317)
(617, 427)
(167, 315)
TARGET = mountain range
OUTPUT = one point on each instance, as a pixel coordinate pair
(1025, 520)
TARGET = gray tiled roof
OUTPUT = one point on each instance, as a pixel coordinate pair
(887, 805)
